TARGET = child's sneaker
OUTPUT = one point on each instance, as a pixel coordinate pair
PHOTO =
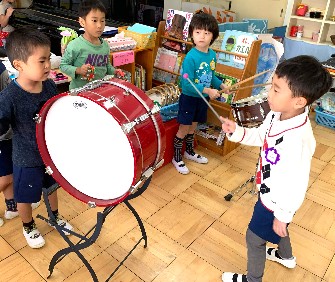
(196, 158)
(1, 221)
(63, 224)
(34, 237)
(234, 277)
(12, 214)
(181, 167)
(272, 254)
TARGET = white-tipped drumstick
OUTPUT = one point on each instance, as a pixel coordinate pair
(185, 75)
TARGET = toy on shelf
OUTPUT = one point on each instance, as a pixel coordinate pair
(67, 34)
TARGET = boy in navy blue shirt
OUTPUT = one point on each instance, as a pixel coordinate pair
(29, 52)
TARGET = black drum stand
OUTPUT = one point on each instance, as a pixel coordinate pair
(87, 239)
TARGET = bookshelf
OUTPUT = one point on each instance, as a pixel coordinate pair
(223, 109)
(143, 57)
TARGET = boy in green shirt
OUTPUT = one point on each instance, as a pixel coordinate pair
(88, 49)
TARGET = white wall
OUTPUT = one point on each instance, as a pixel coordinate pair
(273, 10)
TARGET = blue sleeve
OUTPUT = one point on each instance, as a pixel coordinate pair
(189, 68)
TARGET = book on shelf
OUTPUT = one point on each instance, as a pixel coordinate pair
(166, 59)
(237, 42)
(139, 77)
(164, 76)
(227, 80)
(176, 26)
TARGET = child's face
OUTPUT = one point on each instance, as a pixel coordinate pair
(37, 67)
(94, 24)
(280, 98)
(202, 39)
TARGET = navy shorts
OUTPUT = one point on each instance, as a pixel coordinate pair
(6, 164)
(28, 183)
(191, 109)
(261, 223)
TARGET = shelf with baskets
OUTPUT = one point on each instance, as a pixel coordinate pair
(223, 109)
(322, 27)
(143, 55)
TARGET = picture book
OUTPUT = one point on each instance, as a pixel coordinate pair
(166, 59)
(176, 26)
(237, 42)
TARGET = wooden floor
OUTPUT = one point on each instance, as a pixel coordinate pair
(193, 233)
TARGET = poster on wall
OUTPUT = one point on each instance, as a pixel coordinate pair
(176, 26)
(238, 42)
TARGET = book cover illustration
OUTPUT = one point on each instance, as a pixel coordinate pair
(176, 26)
(237, 42)
(229, 81)
(166, 59)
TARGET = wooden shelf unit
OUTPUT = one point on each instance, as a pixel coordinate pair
(223, 109)
(143, 57)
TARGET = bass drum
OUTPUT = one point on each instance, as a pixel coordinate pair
(100, 141)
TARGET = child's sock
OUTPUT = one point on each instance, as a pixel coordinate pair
(177, 144)
(189, 140)
(11, 205)
(29, 226)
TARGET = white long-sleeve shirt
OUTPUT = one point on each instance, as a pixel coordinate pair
(285, 161)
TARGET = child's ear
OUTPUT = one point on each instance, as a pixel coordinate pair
(81, 22)
(301, 102)
(17, 65)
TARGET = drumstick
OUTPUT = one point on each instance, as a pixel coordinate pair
(244, 81)
(250, 86)
(185, 75)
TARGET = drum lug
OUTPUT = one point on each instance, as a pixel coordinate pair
(48, 170)
(144, 177)
(37, 118)
(127, 127)
(91, 204)
(155, 109)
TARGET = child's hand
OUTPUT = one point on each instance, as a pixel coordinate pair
(228, 125)
(83, 70)
(223, 87)
(9, 11)
(280, 228)
(212, 93)
(119, 73)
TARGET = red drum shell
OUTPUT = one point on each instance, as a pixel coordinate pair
(146, 138)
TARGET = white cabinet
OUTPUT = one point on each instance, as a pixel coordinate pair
(324, 26)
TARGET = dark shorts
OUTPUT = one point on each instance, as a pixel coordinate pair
(28, 183)
(6, 164)
(261, 223)
(191, 109)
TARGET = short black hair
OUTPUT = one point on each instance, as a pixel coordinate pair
(306, 77)
(87, 6)
(21, 43)
(204, 21)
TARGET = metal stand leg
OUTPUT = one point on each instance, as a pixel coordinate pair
(86, 241)
(253, 190)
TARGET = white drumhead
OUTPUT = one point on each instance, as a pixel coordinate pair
(88, 147)
(156, 97)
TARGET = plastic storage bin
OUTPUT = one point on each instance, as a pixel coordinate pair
(169, 112)
(147, 40)
(324, 118)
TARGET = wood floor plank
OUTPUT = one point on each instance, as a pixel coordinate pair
(188, 267)
(322, 193)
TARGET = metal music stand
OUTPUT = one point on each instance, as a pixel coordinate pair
(86, 240)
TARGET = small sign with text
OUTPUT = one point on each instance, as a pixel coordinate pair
(123, 58)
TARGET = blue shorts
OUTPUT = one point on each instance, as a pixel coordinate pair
(6, 164)
(261, 223)
(191, 109)
(28, 183)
